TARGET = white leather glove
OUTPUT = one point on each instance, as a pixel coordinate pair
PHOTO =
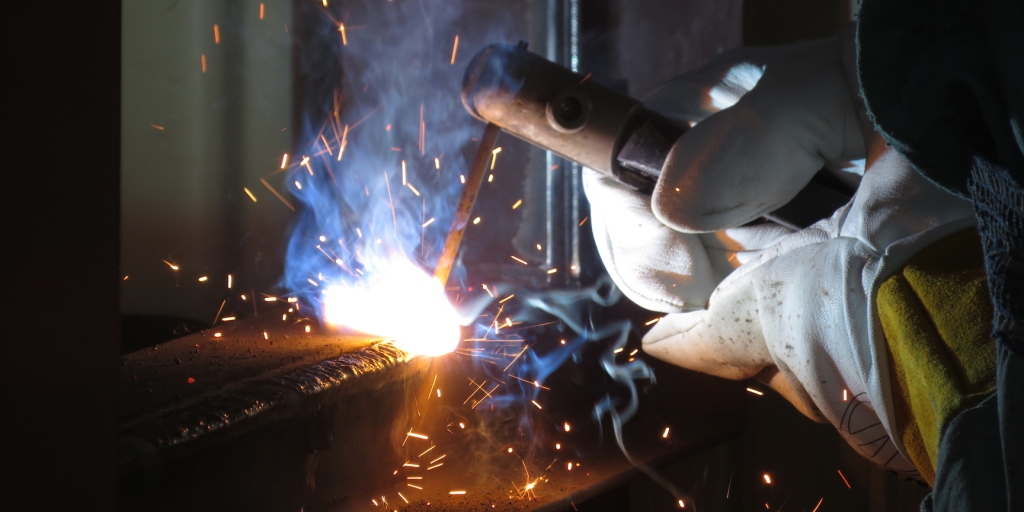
(799, 312)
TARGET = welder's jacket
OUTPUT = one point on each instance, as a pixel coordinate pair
(943, 81)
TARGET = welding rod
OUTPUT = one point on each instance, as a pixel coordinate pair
(466, 202)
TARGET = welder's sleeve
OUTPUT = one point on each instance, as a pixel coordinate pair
(935, 313)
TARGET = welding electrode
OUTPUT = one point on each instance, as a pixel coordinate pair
(581, 120)
(466, 202)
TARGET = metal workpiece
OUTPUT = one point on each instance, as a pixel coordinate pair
(240, 416)
(260, 415)
(579, 119)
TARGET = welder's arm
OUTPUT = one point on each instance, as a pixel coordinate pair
(799, 310)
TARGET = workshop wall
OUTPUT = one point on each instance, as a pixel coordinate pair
(204, 115)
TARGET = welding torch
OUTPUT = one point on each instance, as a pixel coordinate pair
(556, 109)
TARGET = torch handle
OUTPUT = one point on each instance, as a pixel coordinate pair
(466, 202)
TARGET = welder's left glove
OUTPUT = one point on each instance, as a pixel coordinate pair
(800, 312)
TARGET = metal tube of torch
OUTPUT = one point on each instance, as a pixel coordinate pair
(466, 202)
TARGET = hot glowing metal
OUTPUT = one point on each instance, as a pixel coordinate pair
(426, 323)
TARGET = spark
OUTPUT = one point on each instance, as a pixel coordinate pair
(818, 505)
(327, 145)
(633, 353)
(307, 328)
(479, 387)
(391, 202)
(217, 335)
(517, 358)
(552, 271)
(584, 221)
(494, 156)
(517, 203)
(227, 319)
(535, 384)
(439, 464)
(305, 162)
(412, 465)
(403, 498)
(520, 260)
(558, 446)
(284, 161)
(462, 178)
(427, 450)
(265, 335)
(269, 299)
(428, 398)
(261, 11)
(203, 59)
(845, 481)
(279, 196)
(755, 391)
(423, 132)
(219, 310)
(664, 435)
(567, 427)
(490, 178)
(844, 395)
(584, 80)
(414, 191)
(191, 380)
(344, 142)
(568, 467)
(298, 185)
(681, 503)
(539, 247)
(231, 281)
(457, 492)
(344, 39)
(404, 180)
(203, 279)
(439, 458)
(216, 34)
(620, 349)
(506, 299)
(767, 478)
(312, 282)
(437, 164)
(538, 405)
(476, 220)
(651, 322)
(250, 194)
(158, 127)
(429, 222)
(455, 49)
(417, 436)
(172, 265)
(414, 486)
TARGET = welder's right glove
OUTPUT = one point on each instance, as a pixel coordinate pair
(795, 309)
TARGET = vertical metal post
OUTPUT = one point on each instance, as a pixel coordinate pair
(554, 244)
(574, 184)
